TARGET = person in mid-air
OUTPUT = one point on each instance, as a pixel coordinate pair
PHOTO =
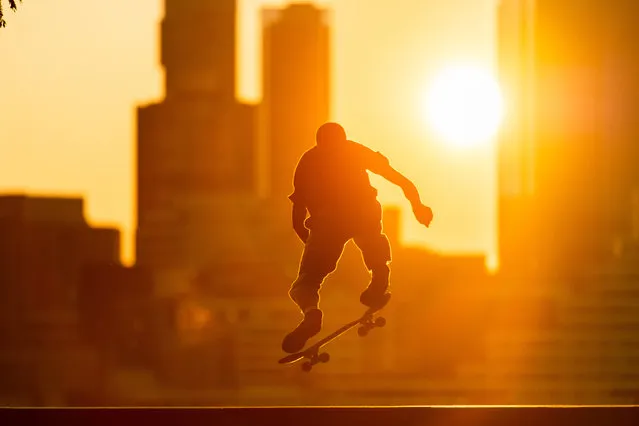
(331, 184)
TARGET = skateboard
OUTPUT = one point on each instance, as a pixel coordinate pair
(366, 323)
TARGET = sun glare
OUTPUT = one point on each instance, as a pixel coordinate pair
(464, 106)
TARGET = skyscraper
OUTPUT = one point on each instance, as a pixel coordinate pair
(296, 89)
(566, 155)
(198, 47)
(195, 148)
(515, 151)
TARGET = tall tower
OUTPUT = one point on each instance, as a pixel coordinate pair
(516, 147)
(566, 157)
(198, 47)
(296, 89)
(195, 148)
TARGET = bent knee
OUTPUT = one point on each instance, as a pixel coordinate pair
(381, 272)
(378, 256)
(307, 279)
(381, 268)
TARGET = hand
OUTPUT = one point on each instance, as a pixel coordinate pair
(423, 214)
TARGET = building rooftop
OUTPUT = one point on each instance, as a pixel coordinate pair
(30, 208)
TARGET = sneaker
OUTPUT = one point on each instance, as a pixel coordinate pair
(307, 328)
(374, 298)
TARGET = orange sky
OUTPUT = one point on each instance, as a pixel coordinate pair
(72, 72)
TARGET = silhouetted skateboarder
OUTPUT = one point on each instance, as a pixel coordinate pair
(332, 185)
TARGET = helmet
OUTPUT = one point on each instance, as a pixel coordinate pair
(330, 134)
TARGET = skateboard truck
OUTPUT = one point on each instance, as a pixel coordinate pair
(369, 324)
(315, 359)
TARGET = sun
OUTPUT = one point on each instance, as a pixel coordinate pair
(464, 106)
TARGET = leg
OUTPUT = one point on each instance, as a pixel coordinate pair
(320, 257)
(321, 254)
(376, 252)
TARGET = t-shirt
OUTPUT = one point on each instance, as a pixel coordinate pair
(333, 183)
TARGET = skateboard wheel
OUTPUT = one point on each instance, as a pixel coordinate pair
(380, 322)
(324, 357)
(307, 366)
(362, 331)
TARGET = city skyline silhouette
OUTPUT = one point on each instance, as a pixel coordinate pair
(222, 187)
(130, 76)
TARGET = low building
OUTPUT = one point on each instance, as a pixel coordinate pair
(44, 243)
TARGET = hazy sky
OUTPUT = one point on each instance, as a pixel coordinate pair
(72, 72)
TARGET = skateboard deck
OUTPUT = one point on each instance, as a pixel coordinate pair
(312, 354)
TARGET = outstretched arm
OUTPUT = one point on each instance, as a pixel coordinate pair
(410, 191)
(423, 214)
(299, 216)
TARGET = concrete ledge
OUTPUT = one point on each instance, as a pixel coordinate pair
(330, 416)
